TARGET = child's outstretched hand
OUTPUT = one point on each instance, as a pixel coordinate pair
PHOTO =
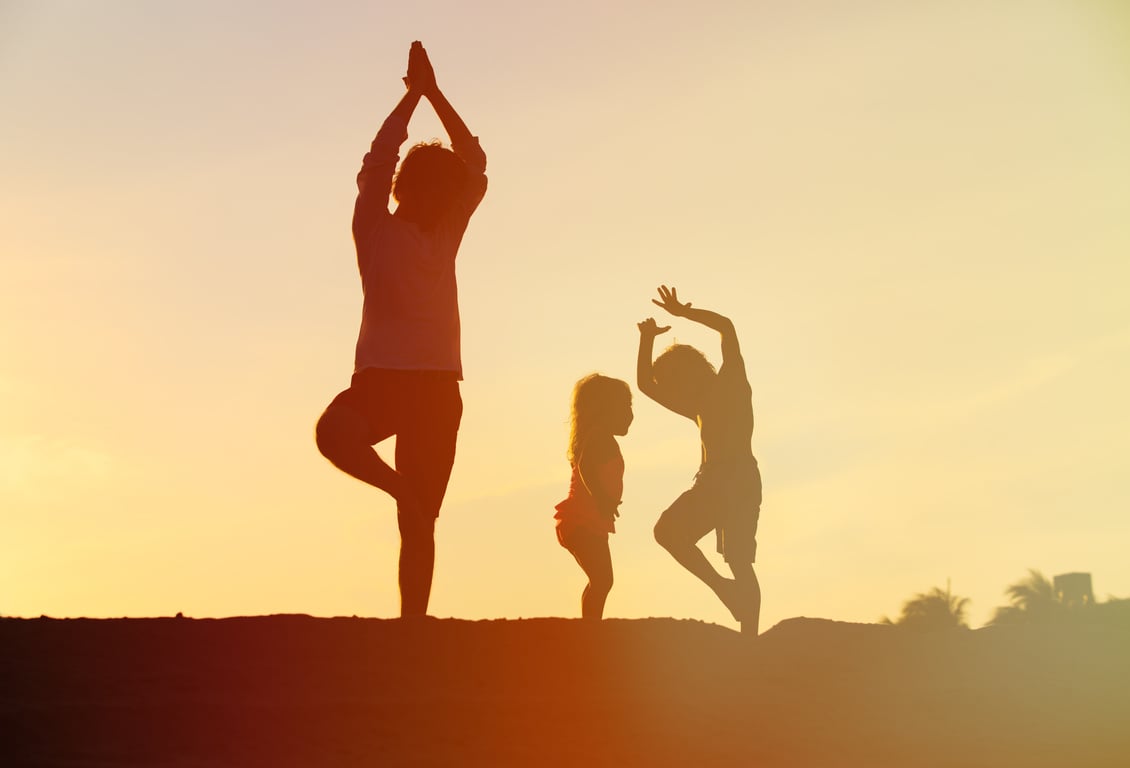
(650, 328)
(421, 77)
(669, 300)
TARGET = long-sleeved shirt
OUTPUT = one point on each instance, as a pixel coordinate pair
(410, 315)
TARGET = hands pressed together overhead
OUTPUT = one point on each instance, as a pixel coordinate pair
(421, 77)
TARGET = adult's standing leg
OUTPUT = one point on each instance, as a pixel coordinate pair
(425, 453)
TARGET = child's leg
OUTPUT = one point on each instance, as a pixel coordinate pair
(593, 555)
(749, 597)
(678, 531)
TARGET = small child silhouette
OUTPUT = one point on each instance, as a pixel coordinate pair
(602, 409)
(726, 496)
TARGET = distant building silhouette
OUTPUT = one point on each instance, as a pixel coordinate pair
(1073, 590)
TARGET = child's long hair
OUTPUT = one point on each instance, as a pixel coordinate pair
(595, 398)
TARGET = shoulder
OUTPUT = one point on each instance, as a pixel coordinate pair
(731, 388)
(733, 373)
(467, 202)
(374, 228)
(471, 153)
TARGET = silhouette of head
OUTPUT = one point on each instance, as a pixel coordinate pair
(684, 372)
(602, 405)
(428, 182)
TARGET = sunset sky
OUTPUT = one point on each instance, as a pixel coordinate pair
(917, 215)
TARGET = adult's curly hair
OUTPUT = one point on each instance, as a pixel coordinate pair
(430, 179)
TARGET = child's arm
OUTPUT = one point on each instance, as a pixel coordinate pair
(645, 378)
(602, 472)
(374, 181)
(731, 352)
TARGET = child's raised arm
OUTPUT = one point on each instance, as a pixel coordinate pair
(669, 300)
(645, 376)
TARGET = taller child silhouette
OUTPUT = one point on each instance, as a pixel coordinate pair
(726, 496)
(407, 366)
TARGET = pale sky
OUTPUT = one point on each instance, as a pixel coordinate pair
(916, 214)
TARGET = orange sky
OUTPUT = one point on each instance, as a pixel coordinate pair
(916, 216)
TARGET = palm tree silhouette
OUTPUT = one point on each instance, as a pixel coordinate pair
(936, 609)
(1034, 601)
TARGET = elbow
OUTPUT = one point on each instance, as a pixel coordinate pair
(645, 375)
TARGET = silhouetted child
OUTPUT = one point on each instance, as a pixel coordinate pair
(602, 409)
(726, 496)
(407, 366)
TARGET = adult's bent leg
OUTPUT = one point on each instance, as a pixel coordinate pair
(343, 437)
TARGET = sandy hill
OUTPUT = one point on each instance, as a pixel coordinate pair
(297, 690)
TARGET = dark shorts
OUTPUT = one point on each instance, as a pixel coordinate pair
(727, 501)
(423, 409)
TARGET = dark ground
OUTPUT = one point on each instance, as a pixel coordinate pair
(302, 691)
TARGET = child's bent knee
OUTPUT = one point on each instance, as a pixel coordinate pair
(601, 583)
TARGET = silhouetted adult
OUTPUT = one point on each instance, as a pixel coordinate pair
(407, 366)
(726, 496)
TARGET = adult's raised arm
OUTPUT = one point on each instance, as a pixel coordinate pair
(463, 142)
(374, 180)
